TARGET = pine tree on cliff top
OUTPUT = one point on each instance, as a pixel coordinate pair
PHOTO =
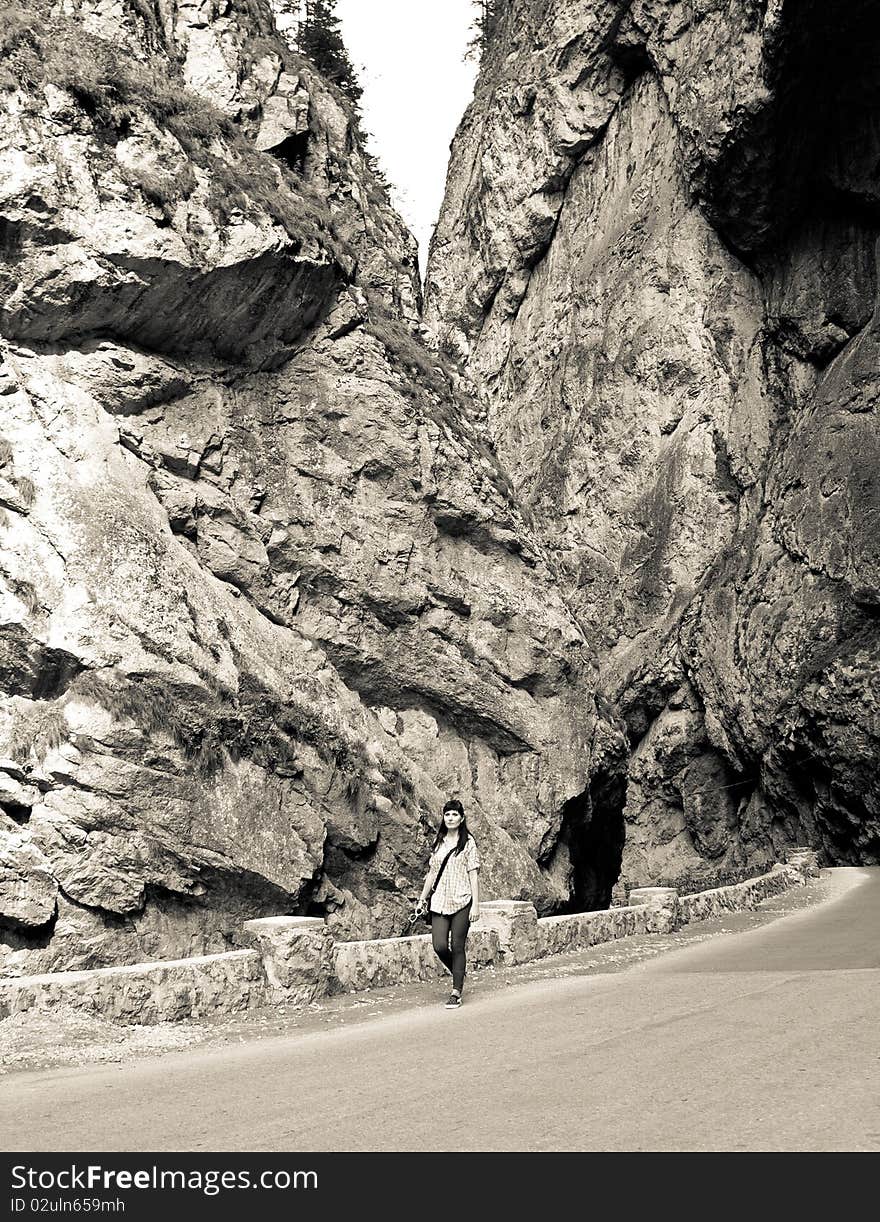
(319, 38)
(485, 24)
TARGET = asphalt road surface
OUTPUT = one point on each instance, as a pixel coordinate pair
(765, 1040)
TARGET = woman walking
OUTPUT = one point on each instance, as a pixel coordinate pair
(452, 893)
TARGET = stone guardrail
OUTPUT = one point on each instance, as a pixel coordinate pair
(294, 960)
(704, 905)
(147, 993)
(386, 961)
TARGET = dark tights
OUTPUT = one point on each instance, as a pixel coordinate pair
(454, 929)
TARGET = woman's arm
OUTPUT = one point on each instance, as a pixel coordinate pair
(422, 901)
(474, 876)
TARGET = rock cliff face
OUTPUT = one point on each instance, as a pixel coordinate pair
(266, 596)
(657, 257)
(276, 577)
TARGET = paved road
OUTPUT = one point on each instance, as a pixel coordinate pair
(755, 1041)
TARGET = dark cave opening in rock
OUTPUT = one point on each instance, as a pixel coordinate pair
(593, 831)
(17, 936)
(31, 669)
(16, 811)
(811, 151)
(56, 669)
(836, 810)
(631, 58)
(293, 151)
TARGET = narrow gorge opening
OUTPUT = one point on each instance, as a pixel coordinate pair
(593, 831)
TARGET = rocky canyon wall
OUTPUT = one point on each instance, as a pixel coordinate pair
(656, 257)
(266, 594)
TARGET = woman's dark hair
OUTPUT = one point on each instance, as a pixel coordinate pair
(454, 805)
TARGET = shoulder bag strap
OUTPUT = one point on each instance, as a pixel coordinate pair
(439, 875)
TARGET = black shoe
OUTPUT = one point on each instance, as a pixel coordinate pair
(453, 1002)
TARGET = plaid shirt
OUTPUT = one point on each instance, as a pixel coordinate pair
(454, 889)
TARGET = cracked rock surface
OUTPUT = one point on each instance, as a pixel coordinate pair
(266, 596)
(285, 559)
(657, 257)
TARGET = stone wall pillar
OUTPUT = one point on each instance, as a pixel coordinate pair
(663, 905)
(805, 860)
(618, 895)
(297, 955)
(516, 923)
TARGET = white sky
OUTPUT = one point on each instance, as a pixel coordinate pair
(409, 58)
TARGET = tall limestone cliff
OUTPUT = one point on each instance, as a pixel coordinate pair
(657, 257)
(266, 596)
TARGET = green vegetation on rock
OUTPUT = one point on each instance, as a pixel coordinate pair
(118, 93)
